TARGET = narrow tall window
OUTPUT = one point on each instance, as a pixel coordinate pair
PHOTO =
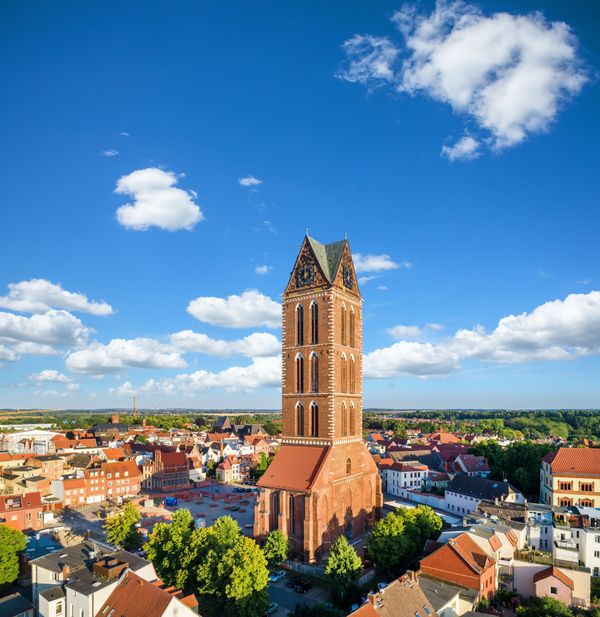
(314, 372)
(314, 323)
(344, 420)
(351, 326)
(344, 372)
(314, 420)
(343, 323)
(299, 374)
(299, 325)
(352, 419)
(292, 516)
(299, 419)
(352, 375)
(348, 467)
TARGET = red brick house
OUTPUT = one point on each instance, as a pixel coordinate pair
(168, 471)
(464, 562)
(22, 512)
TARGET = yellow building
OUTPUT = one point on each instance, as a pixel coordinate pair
(571, 477)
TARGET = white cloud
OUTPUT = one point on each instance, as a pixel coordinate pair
(382, 287)
(50, 328)
(8, 354)
(407, 357)
(249, 181)
(556, 330)
(506, 74)
(377, 263)
(34, 349)
(52, 393)
(371, 58)
(262, 269)
(98, 358)
(257, 344)
(466, 148)
(400, 332)
(270, 227)
(50, 376)
(263, 372)
(363, 280)
(39, 295)
(435, 327)
(109, 153)
(157, 202)
(124, 134)
(250, 309)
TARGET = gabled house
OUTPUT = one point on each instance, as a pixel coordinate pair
(463, 562)
(464, 493)
(472, 465)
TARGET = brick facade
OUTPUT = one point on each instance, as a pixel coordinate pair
(323, 482)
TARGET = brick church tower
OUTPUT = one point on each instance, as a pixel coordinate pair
(323, 482)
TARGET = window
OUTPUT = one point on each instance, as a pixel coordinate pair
(553, 591)
(588, 503)
(314, 420)
(314, 323)
(565, 501)
(426, 609)
(344, 420)
(352, 421)
(565, 486)
(586, 487)
(314, 372)
(351, 326)
(59, 607)
(348, 467)
(344, 373)
(299, 419)
(352, 375)
(299, 373)
(343, 324)
(596, 554)
(299, 325)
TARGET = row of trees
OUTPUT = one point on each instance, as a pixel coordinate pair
(519, 463)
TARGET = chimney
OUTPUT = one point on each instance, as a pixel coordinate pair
(372, 598)
(144, 422)
(66, 571)
(412, 575)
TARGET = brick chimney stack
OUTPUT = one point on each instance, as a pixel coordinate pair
(66, 571)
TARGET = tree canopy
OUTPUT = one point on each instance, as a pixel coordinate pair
(12, 542)
(276, 547)
(343, 564)
(399, 537)
(122, 528)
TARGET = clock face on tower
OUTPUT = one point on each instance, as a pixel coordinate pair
(305, 274)
(348, 277)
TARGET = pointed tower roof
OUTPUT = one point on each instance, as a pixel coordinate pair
(328, 256)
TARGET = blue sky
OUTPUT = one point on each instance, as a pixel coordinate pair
(472, 166)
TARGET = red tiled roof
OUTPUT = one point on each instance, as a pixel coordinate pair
(113, 453)
(135, 597)
(470, 552)
(576, 461)
(495, 543)
(474, 463)
(444, 437)
(122, 467)
(556, 573)
(408, 467)
(173, 459)
(294, 467)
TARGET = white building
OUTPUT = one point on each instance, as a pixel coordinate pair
(398, 476)
(464, 493)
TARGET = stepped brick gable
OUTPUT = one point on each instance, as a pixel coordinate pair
(322, 482)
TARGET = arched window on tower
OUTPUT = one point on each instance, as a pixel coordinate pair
(352, 420)
(314, 420)
(314, 372)
(352, 375)
(348, 467)
(314, 323)
(343, 324)
(299, 325)
(351, 326)
(300, 373)
(344, 374)
(344, 420)
(299, 419)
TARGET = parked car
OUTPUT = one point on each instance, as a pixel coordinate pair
(301, 586)
(272, 608)
(278, 575)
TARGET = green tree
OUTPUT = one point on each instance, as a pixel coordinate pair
(169, 548)
(543, 607)
(12, 542)
(122, 528)
(343, 564)
(399, 537)
(276, 547)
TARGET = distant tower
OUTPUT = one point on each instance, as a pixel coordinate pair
(134, 409)
(323, 482)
